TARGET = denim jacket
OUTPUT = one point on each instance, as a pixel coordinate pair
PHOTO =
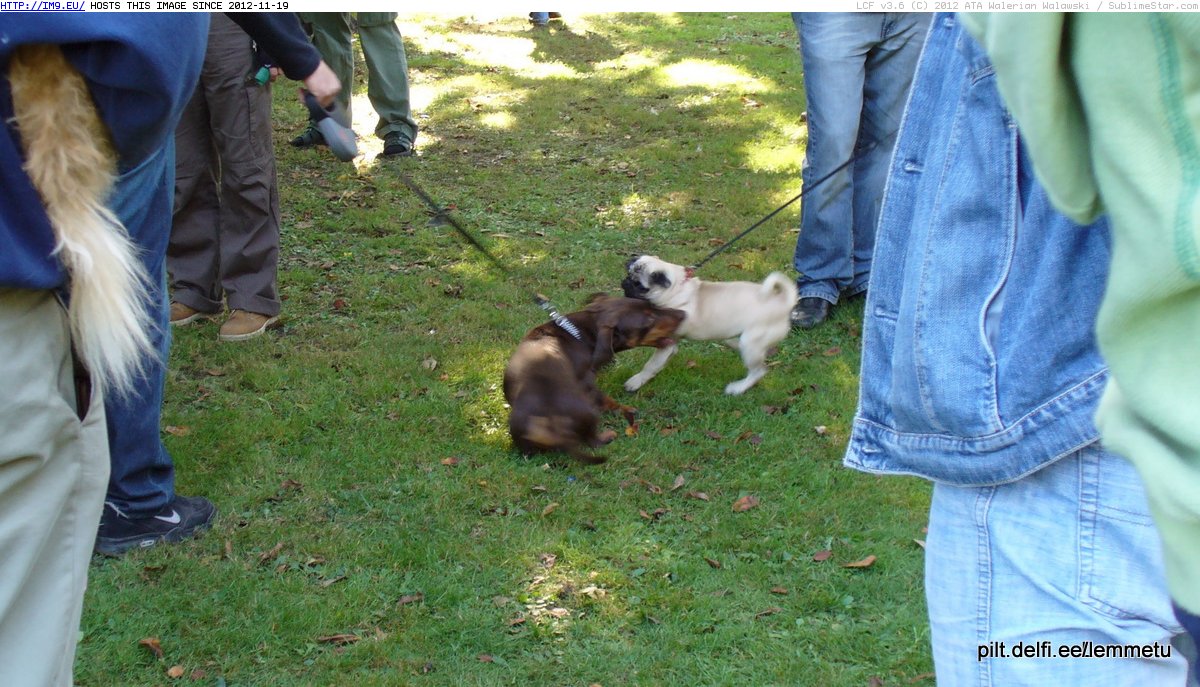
(979, 362)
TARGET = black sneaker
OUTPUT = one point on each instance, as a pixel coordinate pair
(308, 138)
(810, 312)
(180, 519)
(396, 145)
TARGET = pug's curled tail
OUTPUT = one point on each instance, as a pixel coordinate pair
(776, 285)
(71, 163)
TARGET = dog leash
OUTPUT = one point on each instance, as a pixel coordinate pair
(809, 187)
(442, 214)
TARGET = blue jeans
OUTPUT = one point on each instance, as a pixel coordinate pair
(857, 71)
(143, 476)
(1066, 555)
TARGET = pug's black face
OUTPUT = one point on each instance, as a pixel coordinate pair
(641, 278)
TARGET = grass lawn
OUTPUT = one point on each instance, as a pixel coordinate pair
(377, 529)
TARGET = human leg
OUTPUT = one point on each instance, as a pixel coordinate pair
(193, 248)
(387, 79)
(331, 36)
(142, 484)
(889, 71)
(834, 47)
(249, 212)
(1065, 556)
(53, 468)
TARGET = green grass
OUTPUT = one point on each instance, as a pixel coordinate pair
(323, 444)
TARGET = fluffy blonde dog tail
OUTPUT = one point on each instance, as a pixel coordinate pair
(776, 285)
(72, 165)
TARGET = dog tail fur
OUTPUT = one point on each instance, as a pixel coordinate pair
(73, 166)
(776, 285)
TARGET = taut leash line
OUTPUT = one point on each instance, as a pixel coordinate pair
(440, 213)
(853, 158)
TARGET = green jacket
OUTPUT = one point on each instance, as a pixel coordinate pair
(1109, 105)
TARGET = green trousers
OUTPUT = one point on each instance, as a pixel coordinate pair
(387, 65)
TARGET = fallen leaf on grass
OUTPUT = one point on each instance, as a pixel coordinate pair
(713, 563)
(175, 672)
(290, 485)
(745, 503)
(339, 639)
(772, 610)
(713, 435)
(331, 581)
(864, 563)
(152, 645)
(519, 620)
(411, 598)
(821, 430)
(781, 591)
(920, 542)
(697, 495)
(749, 437)
(198, 674)
(486, 658)
(679, 482)
(176, 431)
(830, 352)
(550, 508)
(651, 487)
(822, 555)
(270, 555)
(429, 363)
(451, 461)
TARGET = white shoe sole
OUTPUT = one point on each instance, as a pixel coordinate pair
(191, 318)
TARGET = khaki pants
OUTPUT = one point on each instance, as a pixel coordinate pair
(53, 473)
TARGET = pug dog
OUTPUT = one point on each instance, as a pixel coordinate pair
(747, 316)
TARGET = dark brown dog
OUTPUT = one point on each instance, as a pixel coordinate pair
(550, 380)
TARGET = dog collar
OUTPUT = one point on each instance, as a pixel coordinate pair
(557, 318)
(565, 324)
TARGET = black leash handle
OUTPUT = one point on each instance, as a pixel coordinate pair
(853, 158)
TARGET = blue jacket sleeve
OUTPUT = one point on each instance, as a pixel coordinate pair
(281, 36)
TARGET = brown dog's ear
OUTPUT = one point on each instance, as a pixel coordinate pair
(606, 322)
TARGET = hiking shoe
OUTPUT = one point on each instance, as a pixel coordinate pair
(308, 138)
(182, 518)
(243, 324)
(810, 312)
(396, 145)
(182, 314)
